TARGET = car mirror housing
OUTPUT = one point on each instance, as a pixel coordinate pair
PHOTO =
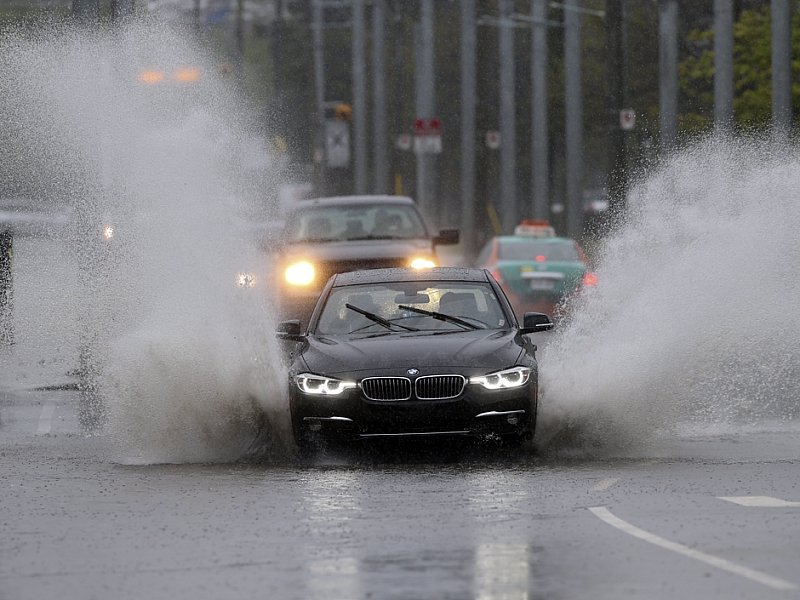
(290, 330)
(446, 237)
(534, 322)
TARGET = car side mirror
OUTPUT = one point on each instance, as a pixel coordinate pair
(446, 237)
(534, 322)
(290, 330)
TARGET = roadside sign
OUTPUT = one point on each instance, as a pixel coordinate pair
(403, 141)
(337, 143)
(627, 119)
(427, 136)
(493, 140)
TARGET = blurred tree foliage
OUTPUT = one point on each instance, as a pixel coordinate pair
(752, 70)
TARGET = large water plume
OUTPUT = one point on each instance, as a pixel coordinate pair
(181, 362)
(695, 318)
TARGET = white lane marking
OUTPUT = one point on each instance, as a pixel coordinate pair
(605, 484)
(44, 419)
(762, 501)
(779, 584)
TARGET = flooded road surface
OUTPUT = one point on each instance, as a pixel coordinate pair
(700, 516)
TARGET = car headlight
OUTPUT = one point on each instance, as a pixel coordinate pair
(301, 273)
(508, 378)
(320, 385)
(422, 263)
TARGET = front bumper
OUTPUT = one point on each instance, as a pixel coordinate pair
(476, 412)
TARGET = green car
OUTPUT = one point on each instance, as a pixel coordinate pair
(536, 269)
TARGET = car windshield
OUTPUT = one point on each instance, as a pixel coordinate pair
(362, 222)
(532, 249)
(411, 306)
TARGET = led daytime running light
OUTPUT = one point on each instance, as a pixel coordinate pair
(322, 386)
(508, 378)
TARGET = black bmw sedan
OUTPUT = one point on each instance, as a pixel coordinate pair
(405, 352)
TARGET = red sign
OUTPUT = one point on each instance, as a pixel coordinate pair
(427, 127)
(427, 136)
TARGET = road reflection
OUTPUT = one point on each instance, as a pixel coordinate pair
(330, 501)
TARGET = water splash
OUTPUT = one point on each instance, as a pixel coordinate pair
(695, 317)
(181, 363)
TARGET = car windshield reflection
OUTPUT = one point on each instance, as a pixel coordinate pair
(410, 307)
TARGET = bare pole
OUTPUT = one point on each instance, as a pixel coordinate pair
(782, 67)
(508, 141)
(381, 171)
(540, 142)
(86, 11)
(424, 71)
(121, 10)
(319, 89)
(668, 73)
(574, 117)
(723, 65)
(468, 106)
(359, 100)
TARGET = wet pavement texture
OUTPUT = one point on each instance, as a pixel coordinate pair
(384, 524)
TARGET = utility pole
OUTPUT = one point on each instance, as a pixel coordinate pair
(668, 73)
(468, 105)
(540, 184)
(782, 67)
(319, 90)
(359, 100)
(574, 117)
(381, 169)
(723, 65)
(425, 99)
(121, 10)
(617, 69)
(508, 141)
(86, 12)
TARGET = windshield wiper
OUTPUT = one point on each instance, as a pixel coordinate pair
(440, 316)
(379, 320)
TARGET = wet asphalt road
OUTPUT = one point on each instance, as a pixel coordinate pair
(647, 524)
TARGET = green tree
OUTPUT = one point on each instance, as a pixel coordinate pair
(752, 71)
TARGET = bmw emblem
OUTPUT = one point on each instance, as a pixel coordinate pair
(413, 371)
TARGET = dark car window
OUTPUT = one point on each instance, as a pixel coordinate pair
(529, 250)
(339, 223)
(475, 303)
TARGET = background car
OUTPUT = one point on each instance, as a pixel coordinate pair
(406, 352)
(324, 236)
(537, 270)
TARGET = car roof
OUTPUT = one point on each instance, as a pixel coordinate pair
(351, 201)
(410, 274)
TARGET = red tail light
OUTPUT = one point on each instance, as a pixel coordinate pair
(497, 276)
(590, 280)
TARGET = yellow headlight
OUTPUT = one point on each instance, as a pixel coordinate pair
(301, 273)
(422, 263)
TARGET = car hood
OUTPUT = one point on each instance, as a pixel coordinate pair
(482, 351)
(359, 249)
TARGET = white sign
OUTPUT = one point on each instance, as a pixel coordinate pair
(427, 136)
(403, 141)
(627, 119)
(493, 140)
(337, 143)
